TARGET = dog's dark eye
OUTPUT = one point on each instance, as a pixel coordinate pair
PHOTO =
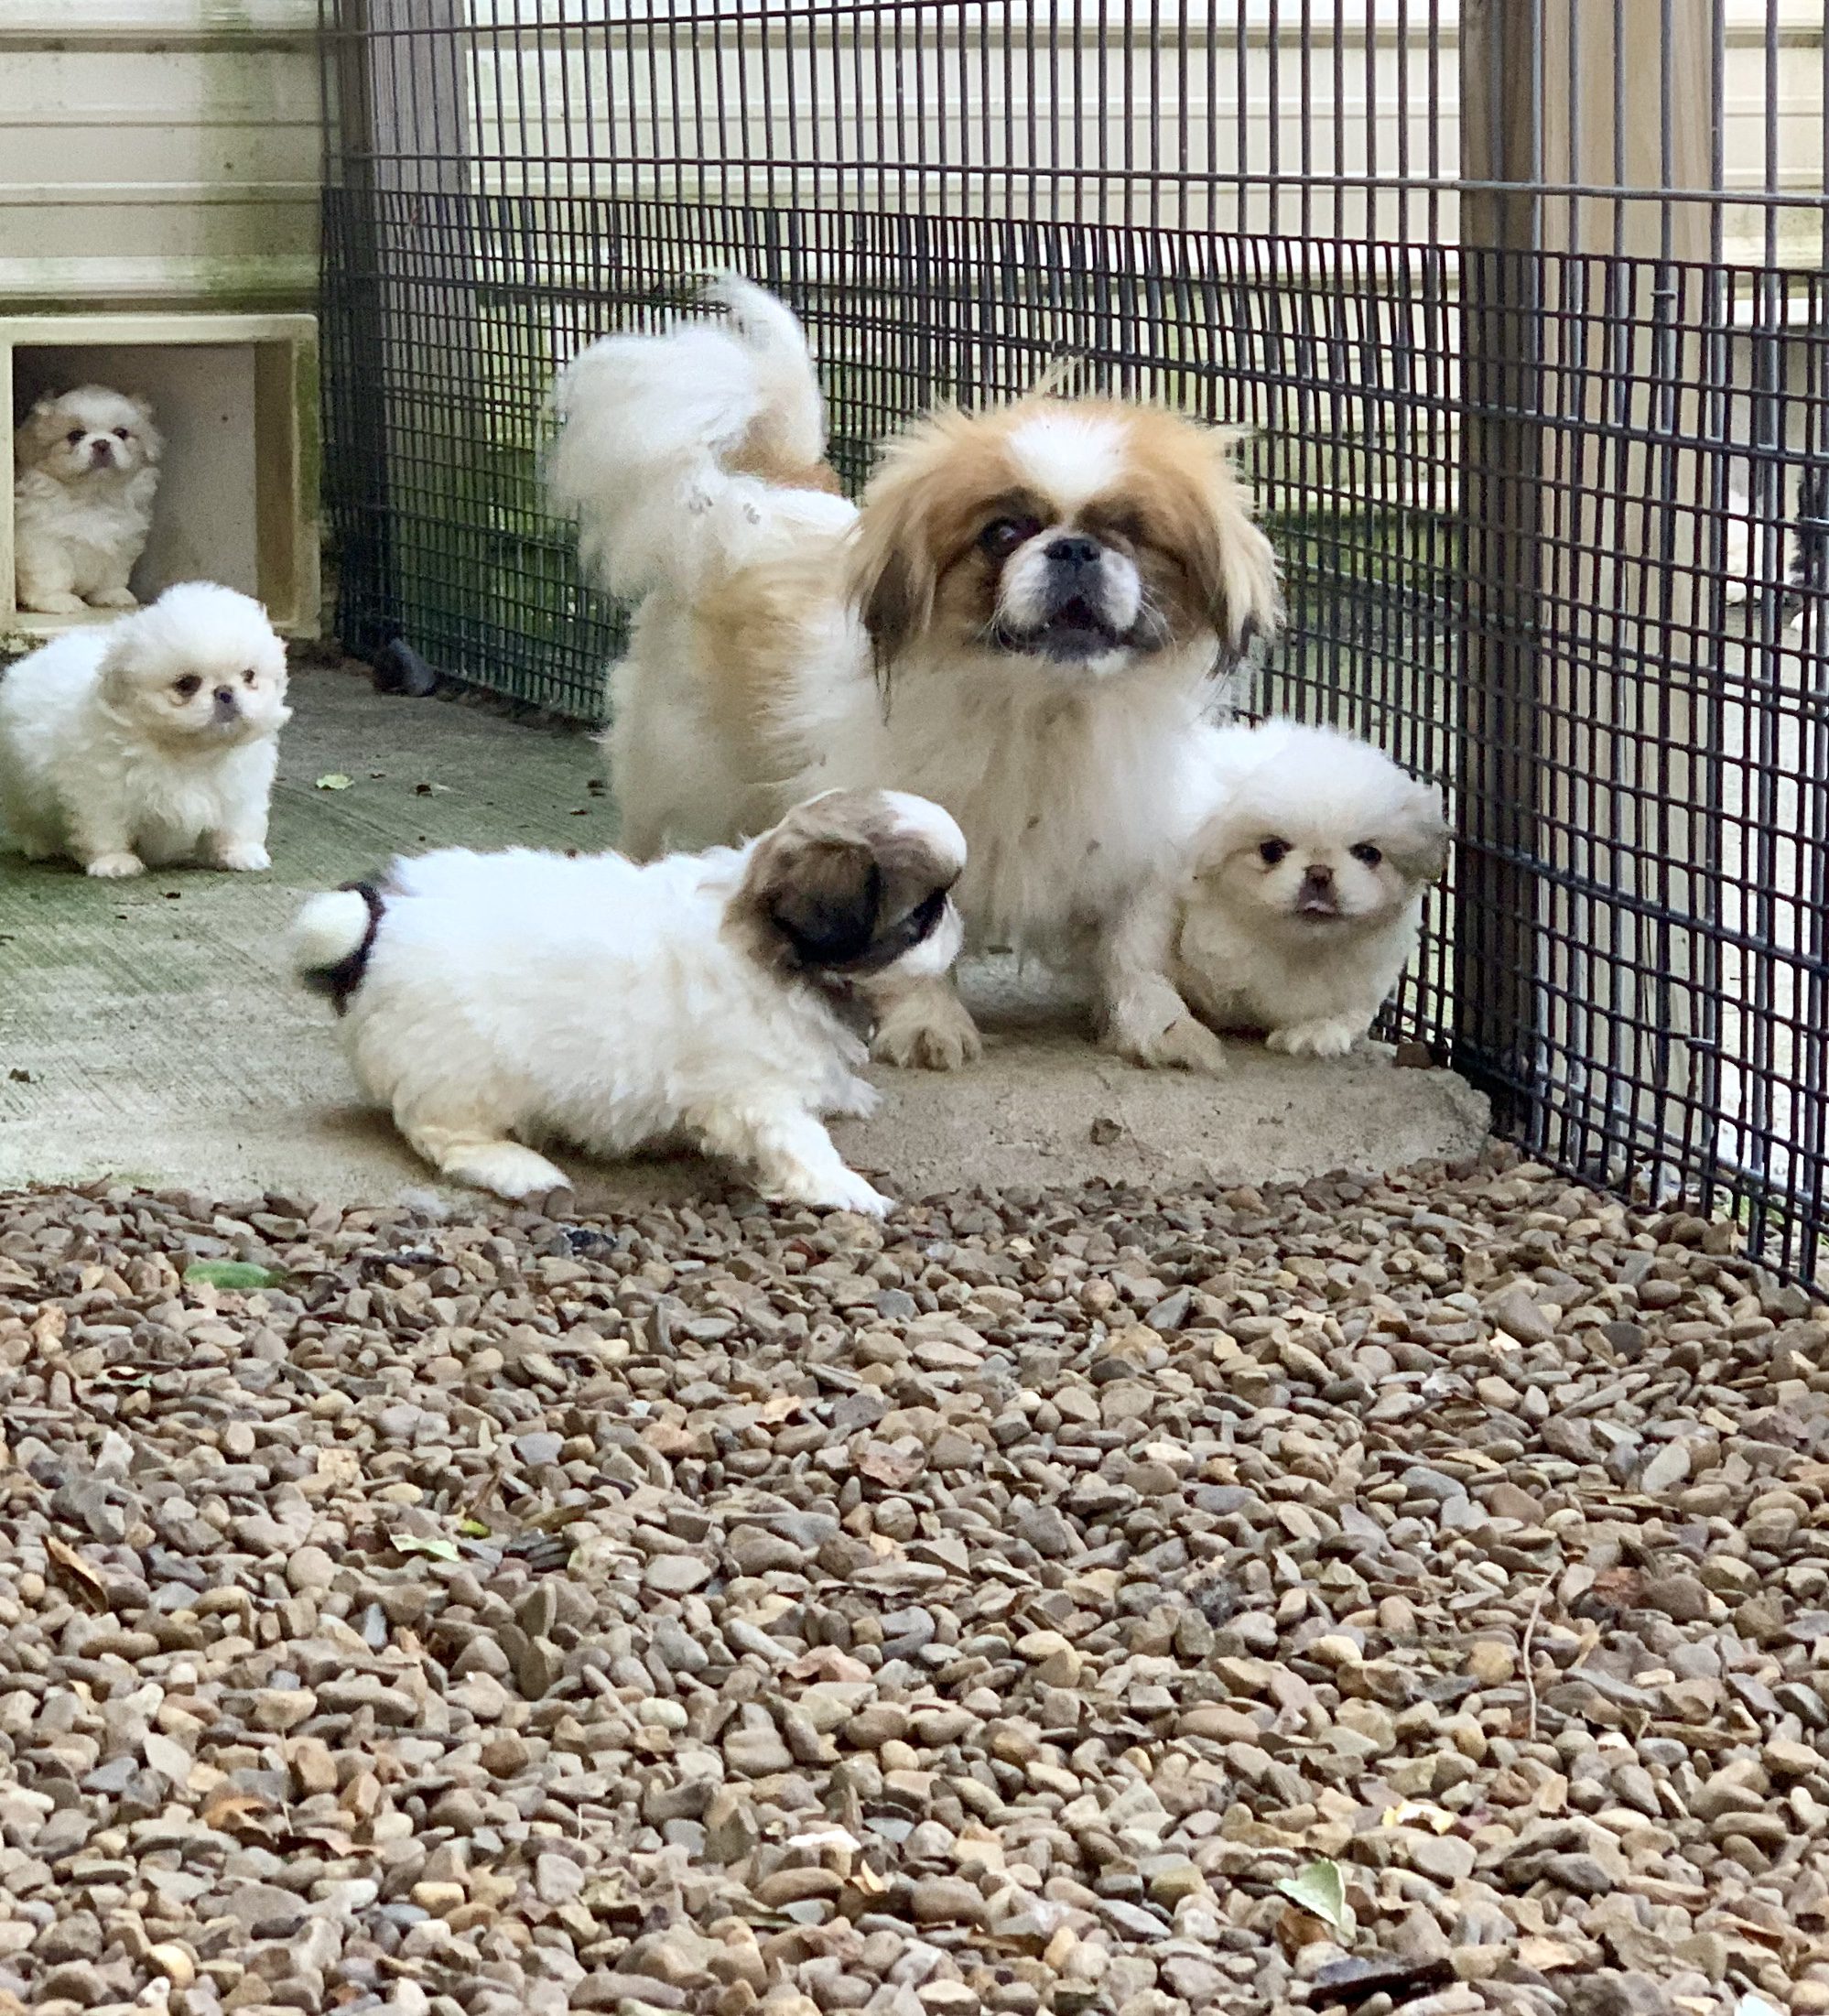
(1271, 851)
(1001, 536)
(74, 436)
(120, 434)
(248, 677)
(1368, 853)
(188, 686)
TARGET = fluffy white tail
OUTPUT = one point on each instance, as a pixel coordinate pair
(329, 929)
(648, 424)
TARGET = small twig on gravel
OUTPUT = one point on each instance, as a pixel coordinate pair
(1529, 1677)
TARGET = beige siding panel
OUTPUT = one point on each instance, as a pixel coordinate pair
(159, 153)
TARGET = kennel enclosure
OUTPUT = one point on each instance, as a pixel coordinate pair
(1523, 301)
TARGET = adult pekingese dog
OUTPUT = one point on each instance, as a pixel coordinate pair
(148, 741)
(494, 1002)
(85, 469)
(1302, 895)
(1022, 621)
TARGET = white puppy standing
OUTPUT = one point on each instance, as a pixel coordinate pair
(492, 1000)
(148, 741)
(1302, 896)
(86, 468)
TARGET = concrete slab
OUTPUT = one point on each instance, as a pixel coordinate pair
(149, 1030)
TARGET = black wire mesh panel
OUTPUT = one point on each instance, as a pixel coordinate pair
(1523, 301)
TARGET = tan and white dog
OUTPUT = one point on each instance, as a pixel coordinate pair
(1022, 621)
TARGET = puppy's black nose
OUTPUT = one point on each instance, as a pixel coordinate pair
(1317, 876)
(225, 699)
(1074, 550)
(100, 452)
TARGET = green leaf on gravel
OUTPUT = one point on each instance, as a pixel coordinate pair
(240, 1274)
(1321, 1891)
(334, 781)
(472, 1528)
(412, 1543)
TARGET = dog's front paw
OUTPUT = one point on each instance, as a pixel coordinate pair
(114, 597)
(929, 1036)
(851, 1193)
(1314, 1039)
(1185, 1045)
(52, 603)
(115, 867)
(859, 1100)
(244, 857)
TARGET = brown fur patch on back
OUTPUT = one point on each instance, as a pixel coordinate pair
(761, 454)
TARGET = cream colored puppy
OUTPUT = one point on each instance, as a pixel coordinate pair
(148, 741)
(86, 469)
(1302, 895)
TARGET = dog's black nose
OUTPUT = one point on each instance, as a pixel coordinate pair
(1074, 550)
(225, 699)
(1317, 875)
(100, 452)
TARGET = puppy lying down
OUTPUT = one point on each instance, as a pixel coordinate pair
(497, 1001)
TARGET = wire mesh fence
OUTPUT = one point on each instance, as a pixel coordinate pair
(1523, 301)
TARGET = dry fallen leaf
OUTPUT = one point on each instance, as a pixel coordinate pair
(75, 1573)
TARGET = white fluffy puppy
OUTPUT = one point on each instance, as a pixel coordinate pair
(1302, 894)
(496, 1000)
(86, 467)
(147, 741)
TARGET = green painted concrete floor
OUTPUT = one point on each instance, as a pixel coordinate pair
(149, 1030)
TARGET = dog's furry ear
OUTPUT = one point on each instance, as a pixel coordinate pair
(830, 908)
(1233, 563)
(34, 433)
(150, 433)
(846, 884)
(810, 900)
(894, 575)
(1418, 841)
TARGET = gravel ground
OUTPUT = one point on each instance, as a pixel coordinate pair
(704, 1608)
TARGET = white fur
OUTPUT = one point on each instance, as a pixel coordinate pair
(86, 469)
(520, 998)
(1076, 785)
(105, 759)
(644, 424)
(1069, 457)
(1247, 955)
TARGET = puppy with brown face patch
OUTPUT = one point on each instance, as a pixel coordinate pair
(1022, 621)
(494, 1002)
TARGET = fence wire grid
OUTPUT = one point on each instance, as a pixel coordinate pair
(1523, 302)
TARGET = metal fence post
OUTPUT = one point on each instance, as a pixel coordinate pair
(1592, 788)
(1495, 950)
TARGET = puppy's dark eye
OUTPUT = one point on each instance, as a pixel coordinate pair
(74, 436)
(1001, 536)
(120, 434)
(1271, 851)
(248, 677)
(188, 686)
(1368, 853)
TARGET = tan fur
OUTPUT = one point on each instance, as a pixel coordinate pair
(822, 857)
(1178, 507)
(761, 455)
